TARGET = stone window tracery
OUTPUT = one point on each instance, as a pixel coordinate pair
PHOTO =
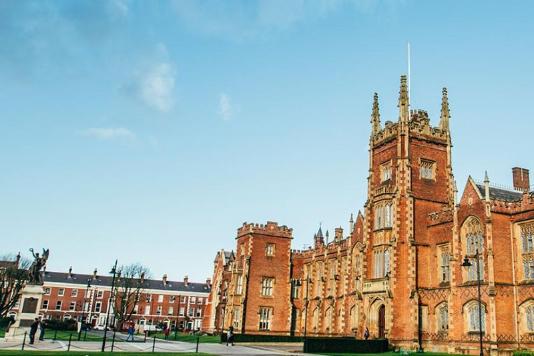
(381, 257)
(265, 318)
(472, 315)
(444, 264)
(529, 315)
(267, 286)
(383, 215)
(427, 169)
(527, 242)
(239, 285)
(473, 243)
(443, 317)
(385, 171)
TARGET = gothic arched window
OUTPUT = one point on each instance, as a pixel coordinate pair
(527, 241)
(473, 243)
(473, 317)
(443, 317)
(353, 317)
(529, 315)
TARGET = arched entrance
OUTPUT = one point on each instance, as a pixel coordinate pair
(382, 322)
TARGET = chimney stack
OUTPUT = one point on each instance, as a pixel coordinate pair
(338, 234)
(164, 278)
(186, 280)
(95, 276)
(521, 179)
(70, 272)
(208, 282)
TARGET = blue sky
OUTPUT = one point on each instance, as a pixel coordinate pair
(149, 131)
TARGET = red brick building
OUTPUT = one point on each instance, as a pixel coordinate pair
(174, 303)
(398, 271)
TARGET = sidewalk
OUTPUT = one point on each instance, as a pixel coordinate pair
(159, 346)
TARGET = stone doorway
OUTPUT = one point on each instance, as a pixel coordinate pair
(382, 322)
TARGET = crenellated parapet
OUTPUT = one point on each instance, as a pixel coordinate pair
(420, 125)
(514, 207)
(271, 229)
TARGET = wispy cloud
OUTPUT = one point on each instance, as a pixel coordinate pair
(109, 133)
(225, 106)
(154, 84)
(156, 87)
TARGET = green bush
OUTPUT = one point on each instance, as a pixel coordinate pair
(523, 353)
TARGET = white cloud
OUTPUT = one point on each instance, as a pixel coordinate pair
(156, 86)
(225, 106)
(109, 133)
(154, 81)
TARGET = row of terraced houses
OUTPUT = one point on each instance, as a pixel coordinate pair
(69, 295)
(398, 270)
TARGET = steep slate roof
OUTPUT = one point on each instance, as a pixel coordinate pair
(501, 194)
(61, 277)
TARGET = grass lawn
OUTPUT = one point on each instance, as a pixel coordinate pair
(48, 353)
(64, 335)
(188, 338)
(391, 353)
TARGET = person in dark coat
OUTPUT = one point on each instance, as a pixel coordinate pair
(230, 336)
(42, 326)
(33, 330)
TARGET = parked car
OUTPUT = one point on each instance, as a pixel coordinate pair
(100, 327)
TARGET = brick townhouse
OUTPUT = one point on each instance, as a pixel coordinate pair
(67, 296)
(398, 271)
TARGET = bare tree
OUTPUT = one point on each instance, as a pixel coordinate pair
(13, 276)
(130, 283)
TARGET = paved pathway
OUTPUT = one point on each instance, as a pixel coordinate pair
(160, 346)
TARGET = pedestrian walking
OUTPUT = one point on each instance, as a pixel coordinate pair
(166, 331)
(33, 330)
(42, 327)
(131, 330)
(366, 333)
(230, 336)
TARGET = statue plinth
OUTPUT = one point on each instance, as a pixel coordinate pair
(31, 298)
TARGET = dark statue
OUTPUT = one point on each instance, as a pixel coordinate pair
(35, 269)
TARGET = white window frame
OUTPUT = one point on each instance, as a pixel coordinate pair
(270, 249)
(265, 318)
(267, 286)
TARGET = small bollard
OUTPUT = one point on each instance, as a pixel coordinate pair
(198, 340)
(24, 340)
(70, 339)
(154, 344)
(113, 340)
(145, 336)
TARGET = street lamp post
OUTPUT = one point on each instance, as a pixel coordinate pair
(306, 311)
(113, 272)
(468, 264)
(83, 308)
